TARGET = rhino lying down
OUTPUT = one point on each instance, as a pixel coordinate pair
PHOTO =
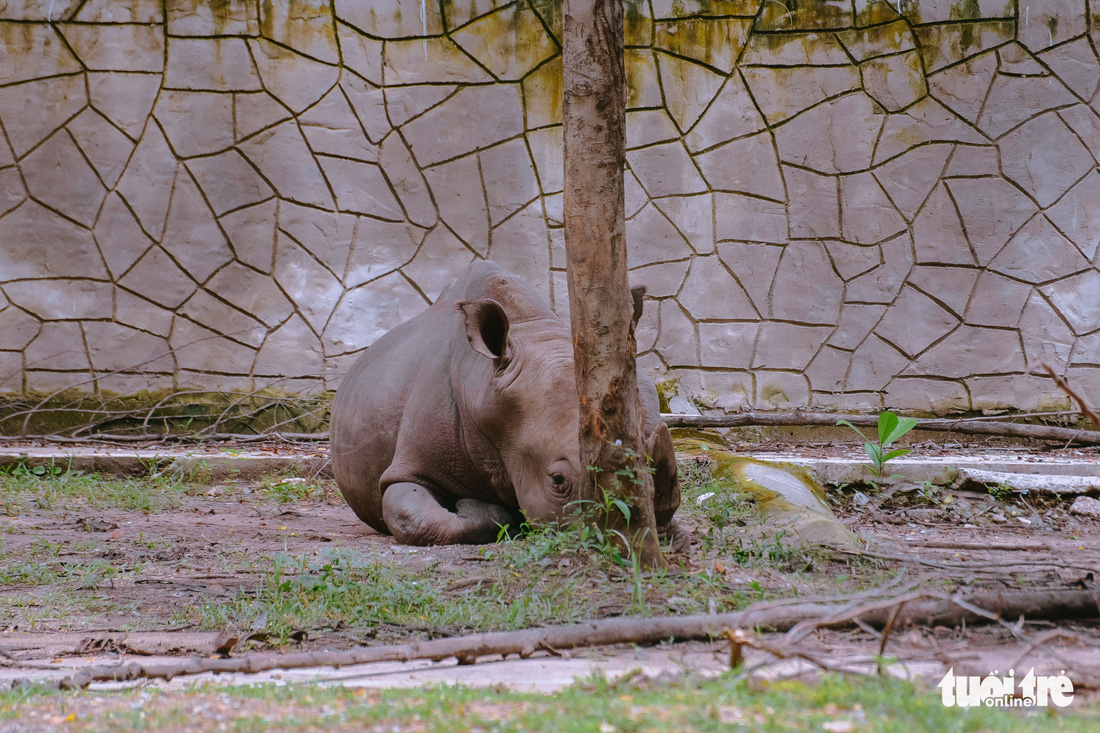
(457, 420)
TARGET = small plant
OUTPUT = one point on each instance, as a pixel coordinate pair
(1000, 491)
(605, 540)
(20, 469)
(890, 428)
(931, 495)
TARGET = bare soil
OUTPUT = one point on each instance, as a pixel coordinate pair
(158, 569)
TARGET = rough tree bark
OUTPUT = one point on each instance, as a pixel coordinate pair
(600, 302)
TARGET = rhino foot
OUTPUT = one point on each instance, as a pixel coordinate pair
(679, 538)
(416, 515)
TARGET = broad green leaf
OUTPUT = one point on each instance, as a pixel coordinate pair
(887, 421)
(853, 427)
(903, 426)
(896, 453)
(623, 507)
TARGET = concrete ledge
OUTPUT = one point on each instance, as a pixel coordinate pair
(314, 461)
(218, 465)
(939, 470)
(1041, 483)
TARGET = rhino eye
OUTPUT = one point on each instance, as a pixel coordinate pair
(557, 478)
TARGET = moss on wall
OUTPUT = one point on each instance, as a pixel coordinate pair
(179, 413)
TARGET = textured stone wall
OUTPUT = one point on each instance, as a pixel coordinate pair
(833, 203)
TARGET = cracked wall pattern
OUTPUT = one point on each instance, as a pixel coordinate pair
(847, 204)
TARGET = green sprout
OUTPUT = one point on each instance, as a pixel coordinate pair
(890, 428)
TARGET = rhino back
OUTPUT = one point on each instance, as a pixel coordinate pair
(399, 409)
(370, 405)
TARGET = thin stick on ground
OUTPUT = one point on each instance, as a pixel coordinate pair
(739, 639)
(886, 636)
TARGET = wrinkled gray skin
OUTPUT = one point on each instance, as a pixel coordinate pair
(456, 420)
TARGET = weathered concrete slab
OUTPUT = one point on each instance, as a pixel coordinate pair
(1027, 482)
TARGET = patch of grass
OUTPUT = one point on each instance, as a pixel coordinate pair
(52, 572)
(57, 606)
(289, 489)
(54, 489)
(148, 543)
(339, 590)
(597, 704)
(547, 576)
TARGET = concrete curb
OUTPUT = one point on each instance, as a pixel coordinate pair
(941, 471)
(218, 465)
(251, 464)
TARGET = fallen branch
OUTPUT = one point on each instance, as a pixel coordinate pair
(935, 608)
(960, 425)
(1064, 386)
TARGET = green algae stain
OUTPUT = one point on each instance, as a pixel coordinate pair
(694, 440)
(773, 393)
(966, 10)
(183, 413)
(267, 19)
(221, 13)
(875, 13)
(551, 13)
(637, 23)
(666, 390)
(716, 42)
(542, 92)
(805, 15)
(641, 78)
(783, 493)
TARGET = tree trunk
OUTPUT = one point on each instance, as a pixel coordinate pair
(600, 303)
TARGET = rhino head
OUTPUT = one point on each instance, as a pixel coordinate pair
(529, 407)
(525, 408)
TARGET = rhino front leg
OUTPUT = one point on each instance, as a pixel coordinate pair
(415, 515)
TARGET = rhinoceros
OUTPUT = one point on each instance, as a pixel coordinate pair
(458, 421)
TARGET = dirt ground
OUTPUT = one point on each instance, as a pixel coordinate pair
(82, 577)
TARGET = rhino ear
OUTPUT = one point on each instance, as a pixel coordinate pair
(637, 294)
(486, 326)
